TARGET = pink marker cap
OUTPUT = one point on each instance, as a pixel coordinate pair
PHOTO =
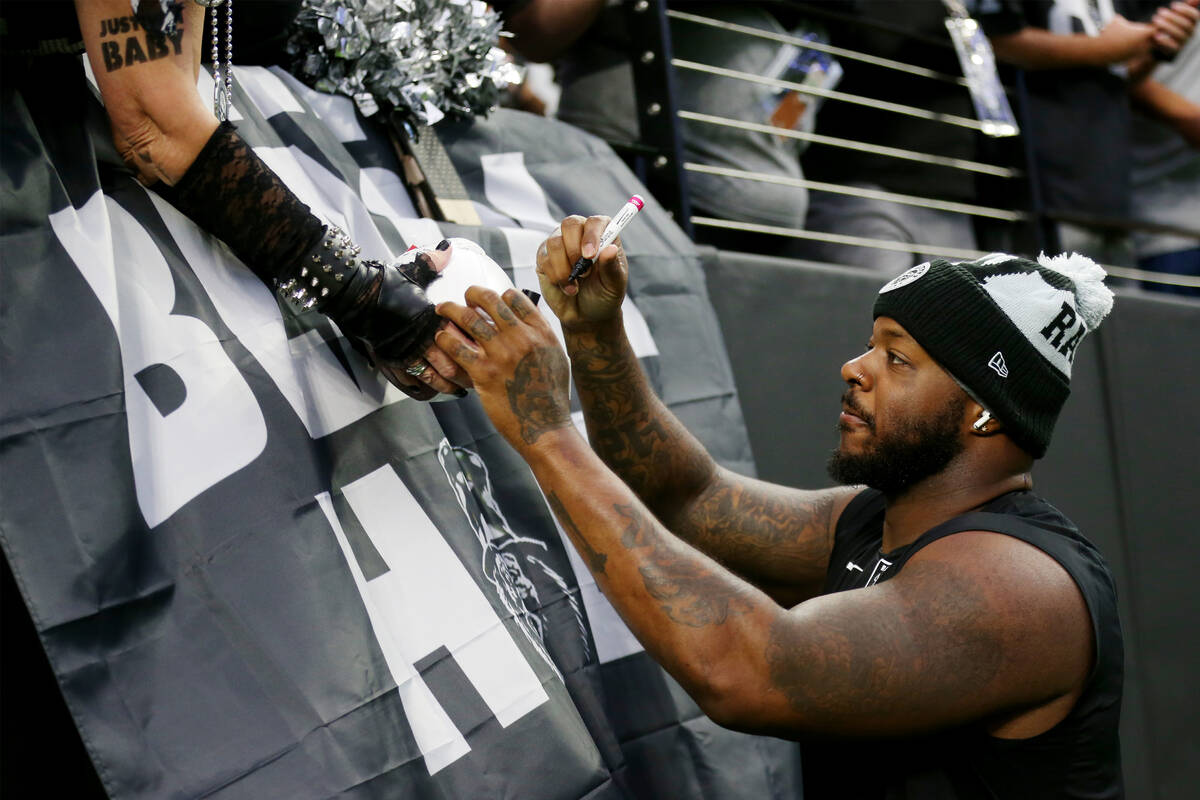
(637, 201)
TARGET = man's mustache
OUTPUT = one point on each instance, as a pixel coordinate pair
(854, 408)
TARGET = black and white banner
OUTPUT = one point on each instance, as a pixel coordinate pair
(260, 571)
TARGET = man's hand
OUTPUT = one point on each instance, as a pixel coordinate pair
(1174, 25)
(387, 317)
(440, 375)
(596, 296)
(514, 361)
(1122, 40)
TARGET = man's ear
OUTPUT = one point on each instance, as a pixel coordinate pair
(985, 424)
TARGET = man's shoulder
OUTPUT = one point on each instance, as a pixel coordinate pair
(1030, 516)
(1025, 503)
(1030, 550)
(1024, 515)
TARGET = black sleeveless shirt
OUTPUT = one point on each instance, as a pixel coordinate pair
(1080, 757)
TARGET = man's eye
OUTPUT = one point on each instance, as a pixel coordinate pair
(895, 359)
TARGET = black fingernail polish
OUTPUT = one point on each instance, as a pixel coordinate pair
(533, 296)
(444, 244)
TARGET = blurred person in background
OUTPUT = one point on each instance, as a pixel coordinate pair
(589, 44)
(912, 33)
(1081, 61)
(1166, 168)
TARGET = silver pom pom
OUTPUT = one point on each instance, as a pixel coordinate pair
(421, 59)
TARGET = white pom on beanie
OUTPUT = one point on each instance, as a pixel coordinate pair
(1093, 300)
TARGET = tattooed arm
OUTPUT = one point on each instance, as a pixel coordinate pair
(167, 133)
(148, 81)
(777, 537)
(978, 626)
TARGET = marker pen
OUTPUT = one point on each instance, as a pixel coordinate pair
(611, 231)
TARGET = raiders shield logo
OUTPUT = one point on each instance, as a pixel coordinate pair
(905, 278)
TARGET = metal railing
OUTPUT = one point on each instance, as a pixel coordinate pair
(660, 161)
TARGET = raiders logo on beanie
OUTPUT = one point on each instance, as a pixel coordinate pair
(1006, 328)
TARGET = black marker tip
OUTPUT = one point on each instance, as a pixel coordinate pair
(580, 267)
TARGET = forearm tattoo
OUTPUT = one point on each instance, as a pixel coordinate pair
(731, 513)
(765, 537)
(760, 532)
(687, 590)
(121, 41)
(537, 393)
(627, 429)
(595, 559)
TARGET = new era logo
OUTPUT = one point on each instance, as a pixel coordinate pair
(997, 363)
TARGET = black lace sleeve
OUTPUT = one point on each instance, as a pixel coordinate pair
(231, 193)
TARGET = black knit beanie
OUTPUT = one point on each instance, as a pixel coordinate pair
(1006, 328)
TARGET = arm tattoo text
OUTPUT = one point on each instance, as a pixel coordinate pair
(122, 46)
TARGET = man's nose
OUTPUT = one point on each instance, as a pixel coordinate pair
(854, 374)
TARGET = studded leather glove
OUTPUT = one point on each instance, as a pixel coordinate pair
(231, 193)
(381, 308)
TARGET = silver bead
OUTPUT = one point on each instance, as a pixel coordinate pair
(315, 282)
(324, 292)
(304, 272)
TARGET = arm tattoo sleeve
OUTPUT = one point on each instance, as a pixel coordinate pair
(595, 559)
(629, 428)
(687, 589)
(763, 532)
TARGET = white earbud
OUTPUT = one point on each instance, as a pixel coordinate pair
(982, 422)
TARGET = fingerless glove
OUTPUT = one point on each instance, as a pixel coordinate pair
(231, 193)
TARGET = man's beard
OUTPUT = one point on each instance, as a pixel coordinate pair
(916, 450)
